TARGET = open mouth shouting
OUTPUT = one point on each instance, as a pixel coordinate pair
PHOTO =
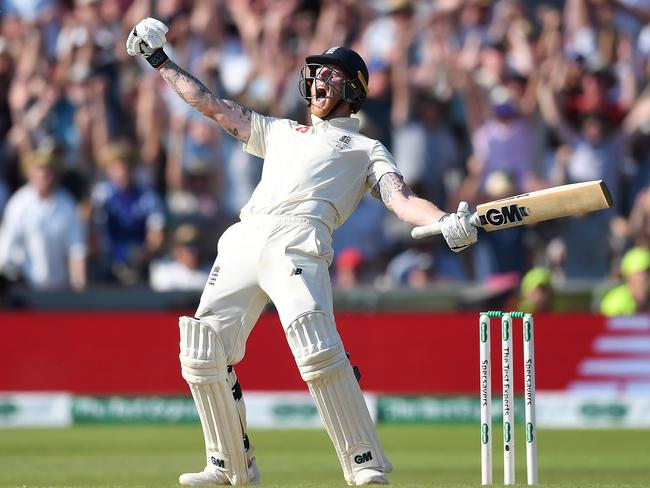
(321, 92)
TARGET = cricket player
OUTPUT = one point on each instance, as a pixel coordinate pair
(313, 178)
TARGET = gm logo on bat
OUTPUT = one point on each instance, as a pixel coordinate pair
(508, 214)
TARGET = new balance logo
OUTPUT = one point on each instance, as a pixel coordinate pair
(363, 458)
(219, 463)
(296, 271)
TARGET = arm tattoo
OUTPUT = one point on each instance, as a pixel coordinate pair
(234, 118)
(242, 116)
(185, 85)
(388, 185)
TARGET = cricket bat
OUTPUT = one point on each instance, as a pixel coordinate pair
(536, 206)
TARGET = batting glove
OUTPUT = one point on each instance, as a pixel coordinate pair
(457, 229)
(147, 39)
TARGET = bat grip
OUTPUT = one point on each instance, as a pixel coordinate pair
(426, 231)
(435, 229)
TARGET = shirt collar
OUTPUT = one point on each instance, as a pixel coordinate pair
(347, 123)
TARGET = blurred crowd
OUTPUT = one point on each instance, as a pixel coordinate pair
(107, 177)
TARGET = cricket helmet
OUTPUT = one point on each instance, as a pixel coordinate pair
(355, 87)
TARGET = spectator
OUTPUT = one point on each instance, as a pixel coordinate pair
(182, 269)
(195, 178)
(639, 221)
(42, 238)
(377, 109)
(347, 263)
(427, 151)
(365, 230)
(411, 268)
(128, 219)
(194, 201)
(536, 291)
(632, 296)
(591, 154)
(497, 111)
(502, 140)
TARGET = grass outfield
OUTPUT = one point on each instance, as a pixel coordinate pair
(423, 455)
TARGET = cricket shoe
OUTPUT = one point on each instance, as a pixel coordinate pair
(370, 476)
(210, 477)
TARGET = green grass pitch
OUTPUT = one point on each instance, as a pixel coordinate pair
(423, 455)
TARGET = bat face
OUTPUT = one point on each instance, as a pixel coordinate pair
(550, 203)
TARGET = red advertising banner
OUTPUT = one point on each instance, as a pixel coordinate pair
(398, 353)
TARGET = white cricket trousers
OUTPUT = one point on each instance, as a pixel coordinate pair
(285, 259)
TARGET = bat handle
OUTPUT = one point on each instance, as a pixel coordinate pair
(434, 229)
(426, 230)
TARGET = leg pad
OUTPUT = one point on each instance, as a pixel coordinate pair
(203, 365)
(323, 364)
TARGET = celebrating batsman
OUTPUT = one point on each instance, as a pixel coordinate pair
(313, 178)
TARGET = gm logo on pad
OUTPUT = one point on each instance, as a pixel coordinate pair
(218, 463)
(363, 458)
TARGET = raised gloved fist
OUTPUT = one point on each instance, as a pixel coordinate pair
(457, 229)
(146, 37)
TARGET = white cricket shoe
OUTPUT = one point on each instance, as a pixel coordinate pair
(210, 477)
(370, 476)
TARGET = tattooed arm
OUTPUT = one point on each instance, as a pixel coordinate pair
(147, 39)
(235, 119)
(399, 198)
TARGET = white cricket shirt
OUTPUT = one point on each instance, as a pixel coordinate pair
(319, 172)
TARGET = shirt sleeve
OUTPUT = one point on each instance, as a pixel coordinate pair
(260, 129)
(155, 210)
(76, 232)
(381, 163)
(11, 235)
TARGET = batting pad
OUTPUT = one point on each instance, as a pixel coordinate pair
(235, 388)
(203, 364)
(323, 364)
